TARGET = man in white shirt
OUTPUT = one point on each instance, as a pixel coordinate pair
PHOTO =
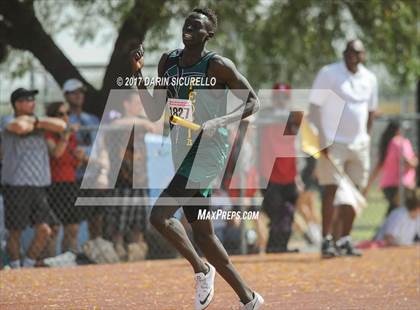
(346, 142)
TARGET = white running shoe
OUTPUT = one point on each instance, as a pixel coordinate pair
(204, 288)
(254, 304)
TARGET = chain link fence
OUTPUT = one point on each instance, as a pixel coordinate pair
(125, 232)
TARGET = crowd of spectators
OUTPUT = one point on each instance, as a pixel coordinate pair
(45, 161)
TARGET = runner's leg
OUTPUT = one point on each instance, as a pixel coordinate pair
(162, 219)
(215, 253)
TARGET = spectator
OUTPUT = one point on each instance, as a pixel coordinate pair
(281, 193)
(348, 145)
(392, 147)
(65, 157)
(402, 226)
(128, 222)
(74, 93)
(26, 174)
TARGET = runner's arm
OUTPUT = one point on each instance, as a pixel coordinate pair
(153, 104)
(225, 72)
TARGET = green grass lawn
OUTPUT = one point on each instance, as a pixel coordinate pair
(366, 224)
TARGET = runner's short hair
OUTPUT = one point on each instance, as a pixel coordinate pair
(211, 15)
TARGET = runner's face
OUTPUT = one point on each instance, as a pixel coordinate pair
(194, 31)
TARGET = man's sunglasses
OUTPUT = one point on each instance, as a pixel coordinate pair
(61, 114)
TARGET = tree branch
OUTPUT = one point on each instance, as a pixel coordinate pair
(132, 32)
(22, 30)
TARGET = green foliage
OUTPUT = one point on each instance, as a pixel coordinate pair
(84, 17)
(293, 39)
(372, 217)
(286, 40)
(279, 44)
(22, 63)
(391, 31)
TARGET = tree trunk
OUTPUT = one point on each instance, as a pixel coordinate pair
(21, 29)
(132, 32)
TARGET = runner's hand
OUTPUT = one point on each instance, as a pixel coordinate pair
(137, 59)
(210, 127)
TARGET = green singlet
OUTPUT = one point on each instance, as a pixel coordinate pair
(200, 162)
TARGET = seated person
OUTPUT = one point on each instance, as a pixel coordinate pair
(403, 224)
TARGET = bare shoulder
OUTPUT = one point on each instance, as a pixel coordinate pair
(161, 65)
(220, 62)
(223, 69)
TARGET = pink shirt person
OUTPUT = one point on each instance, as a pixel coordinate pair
(390, 177)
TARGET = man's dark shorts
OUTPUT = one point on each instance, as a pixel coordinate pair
(62, 197)
(25, 206)
(177, 188)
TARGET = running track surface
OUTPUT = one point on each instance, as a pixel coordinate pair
(381, 279)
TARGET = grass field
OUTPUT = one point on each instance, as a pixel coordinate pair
(366, 224)
(372, 217)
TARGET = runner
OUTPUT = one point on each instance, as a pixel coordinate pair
(210, 112)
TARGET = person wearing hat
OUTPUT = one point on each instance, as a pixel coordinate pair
(74, 93)
(348, 143)
(25, 175)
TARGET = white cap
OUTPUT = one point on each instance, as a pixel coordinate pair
(72, 85)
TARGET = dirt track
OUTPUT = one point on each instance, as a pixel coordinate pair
(382, 279)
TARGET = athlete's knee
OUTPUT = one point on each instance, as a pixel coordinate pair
(158, 217)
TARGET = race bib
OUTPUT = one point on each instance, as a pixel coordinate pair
(181, 107)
